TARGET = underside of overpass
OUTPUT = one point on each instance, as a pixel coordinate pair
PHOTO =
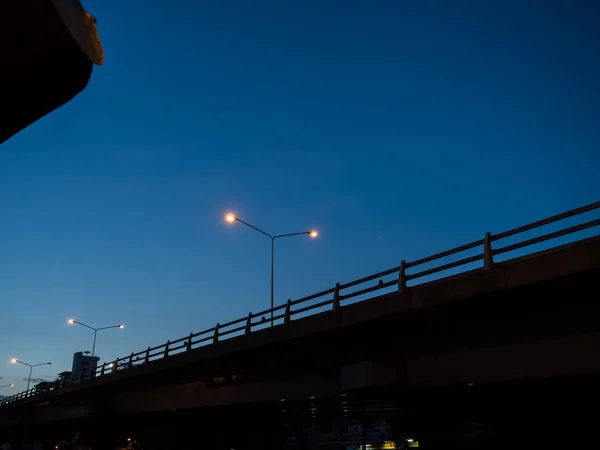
(524, 414)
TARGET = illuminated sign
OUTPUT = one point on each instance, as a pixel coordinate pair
(389, 445)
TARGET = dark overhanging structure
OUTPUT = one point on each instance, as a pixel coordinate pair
(48, 49)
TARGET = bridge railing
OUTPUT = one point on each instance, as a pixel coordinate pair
(482, 254)
(69, 380)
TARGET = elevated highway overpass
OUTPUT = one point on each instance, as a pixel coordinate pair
(534, 317)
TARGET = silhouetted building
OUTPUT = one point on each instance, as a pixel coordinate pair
(84, 363)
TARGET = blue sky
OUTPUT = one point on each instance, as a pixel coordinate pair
(396, 128)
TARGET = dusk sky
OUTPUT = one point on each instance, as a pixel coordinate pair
(396, 128)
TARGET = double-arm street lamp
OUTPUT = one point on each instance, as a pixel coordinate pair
(31, 366)
(72, 321)
(231, 218)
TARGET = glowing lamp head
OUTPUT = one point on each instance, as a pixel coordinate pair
(121, 326)
(12, 385)
(14, 360)
(313, 233)
(230, 218)
(71, 321)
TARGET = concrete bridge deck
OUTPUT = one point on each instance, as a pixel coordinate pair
(533, 317)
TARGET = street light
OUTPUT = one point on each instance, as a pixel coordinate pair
(7, 385)
(72, 321)
(31, 366)
(231, 218)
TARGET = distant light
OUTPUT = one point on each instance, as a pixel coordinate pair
(14, 360)
(282, 400)
(313, 233)
(121, 326)
(230, 218)
(128, 439)
(410, 440)
(471, 384)
(71, 321)
(12, 385)
(109, 365)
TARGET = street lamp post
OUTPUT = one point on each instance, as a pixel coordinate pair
(72, 321)
(231, 218)
(31, 366)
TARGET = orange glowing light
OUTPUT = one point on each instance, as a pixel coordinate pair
(230, 218)
(313, 233)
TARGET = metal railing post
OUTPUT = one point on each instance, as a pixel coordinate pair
(189, 342)
(130, 361)
(402, 277)
(216, 335)
(336, 297)
(147, 358)
(166, 354)
(488, 256)
(288, 312)
(248, 329)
